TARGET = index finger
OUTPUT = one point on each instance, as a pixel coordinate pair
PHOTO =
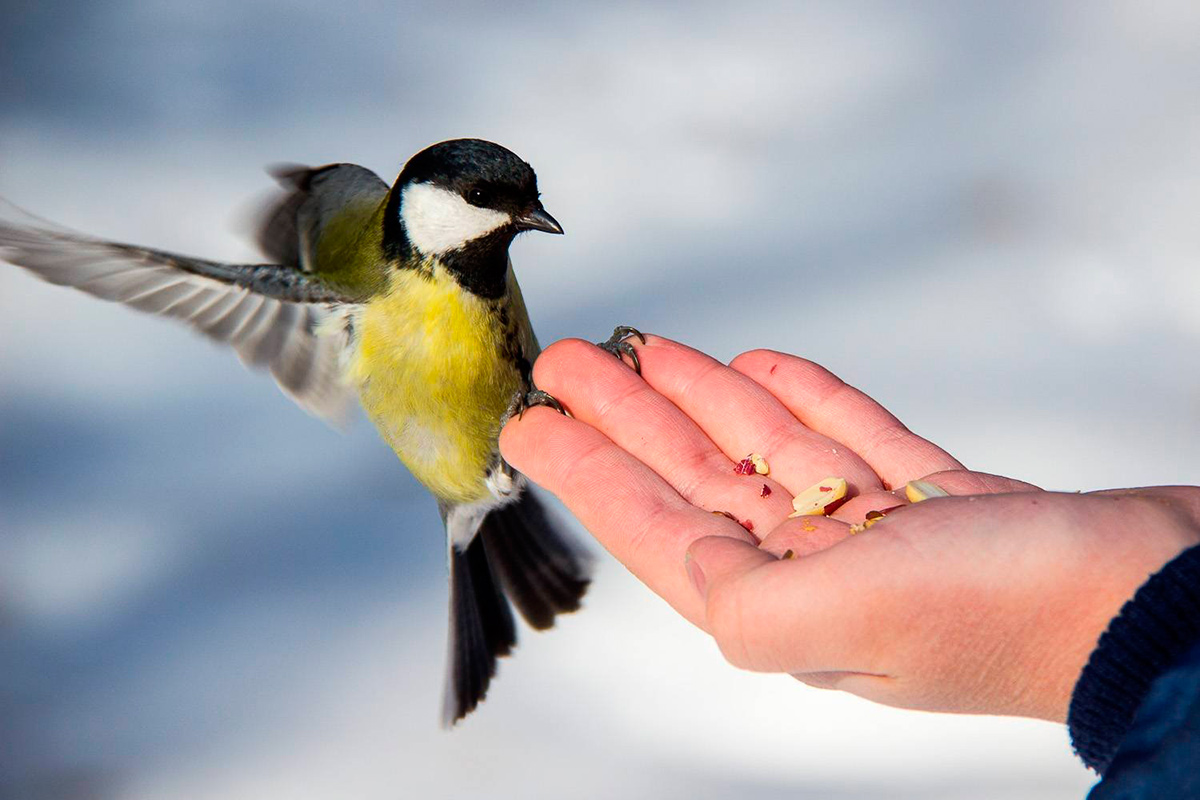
(628, 507)
(740, 416)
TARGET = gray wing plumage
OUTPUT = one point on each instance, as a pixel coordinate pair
(268, 313)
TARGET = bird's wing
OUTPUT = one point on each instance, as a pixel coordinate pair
(319, 221)
(269, 313)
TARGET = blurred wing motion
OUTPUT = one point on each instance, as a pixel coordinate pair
(269, 313)
(317, 202)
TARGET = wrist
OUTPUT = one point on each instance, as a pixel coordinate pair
(1152, 631)
(1122, 538)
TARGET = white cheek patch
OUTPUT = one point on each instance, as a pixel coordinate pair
(438, 221)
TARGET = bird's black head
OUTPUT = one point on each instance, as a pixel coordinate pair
(461, 202)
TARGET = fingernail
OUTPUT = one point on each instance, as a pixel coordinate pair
(695, 573)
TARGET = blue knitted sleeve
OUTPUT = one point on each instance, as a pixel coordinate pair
(1148, 652)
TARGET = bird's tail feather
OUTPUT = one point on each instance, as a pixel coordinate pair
(517, 554)
(481, 629)
(543, 572)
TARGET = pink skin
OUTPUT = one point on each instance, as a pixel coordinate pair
(989, 601)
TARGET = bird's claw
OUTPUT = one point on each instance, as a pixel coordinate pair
(523, 400)
(617, 345)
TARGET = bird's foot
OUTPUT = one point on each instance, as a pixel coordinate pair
(618, 346)
(523, 400)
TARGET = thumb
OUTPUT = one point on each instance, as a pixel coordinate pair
(716, 559)
(718, 567)
(781, 615)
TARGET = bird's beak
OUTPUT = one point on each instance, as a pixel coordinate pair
(538, 220)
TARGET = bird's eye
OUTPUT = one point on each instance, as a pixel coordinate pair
(477, 197)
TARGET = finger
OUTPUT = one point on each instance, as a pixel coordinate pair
(960, 482)
(856, 508)
(742, 417)
(803, 536)
(634, 514)
(954, 482)
(605, 393)
(821, 401)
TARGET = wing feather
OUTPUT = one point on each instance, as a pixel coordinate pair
(271, 315)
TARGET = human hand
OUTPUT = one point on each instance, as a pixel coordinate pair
(987, 603)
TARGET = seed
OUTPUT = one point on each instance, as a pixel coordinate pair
(916, 491)
(818, 497)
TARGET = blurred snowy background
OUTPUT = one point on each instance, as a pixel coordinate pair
(982, 214)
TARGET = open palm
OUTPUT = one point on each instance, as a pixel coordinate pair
(954, 604)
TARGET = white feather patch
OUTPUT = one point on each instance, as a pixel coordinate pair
(463, 521)
(438, 220)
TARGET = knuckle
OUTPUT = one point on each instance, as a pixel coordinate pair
(626, 398)
(825, 386)
(644, 534)
(889, 432)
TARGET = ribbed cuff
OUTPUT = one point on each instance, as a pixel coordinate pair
(1153, 630)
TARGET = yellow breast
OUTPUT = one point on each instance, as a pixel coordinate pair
(432, 375)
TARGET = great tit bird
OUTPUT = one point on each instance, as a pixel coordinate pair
(404, 296)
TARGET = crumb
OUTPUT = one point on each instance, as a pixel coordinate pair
(744, 467)
(788, 554)
(766, 491)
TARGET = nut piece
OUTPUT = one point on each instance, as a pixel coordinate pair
(916, 491)
(751, 465)
(816, 498)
